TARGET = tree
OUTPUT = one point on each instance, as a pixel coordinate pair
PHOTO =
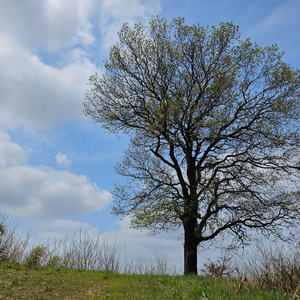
(213, 122)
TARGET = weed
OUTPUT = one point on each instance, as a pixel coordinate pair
(273, 269)
(12, 246)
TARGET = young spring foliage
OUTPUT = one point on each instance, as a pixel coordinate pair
(214, 127)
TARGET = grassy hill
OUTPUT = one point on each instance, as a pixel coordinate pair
(89, 268)
(21, 282)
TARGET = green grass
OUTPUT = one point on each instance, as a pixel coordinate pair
(20, 282)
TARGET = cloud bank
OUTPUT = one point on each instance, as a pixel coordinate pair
(50, 24)
(38, 96)
(42, 192)
(44, 52)
(44, 57)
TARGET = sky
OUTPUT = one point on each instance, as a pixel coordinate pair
(56, 166)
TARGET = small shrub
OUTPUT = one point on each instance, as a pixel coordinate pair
(4, 254)
(36, 256)
(3, 248)
(55, 262)
(2, 229)
(66, 261)
(221, 268)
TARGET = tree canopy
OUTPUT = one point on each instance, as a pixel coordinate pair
(214, 131)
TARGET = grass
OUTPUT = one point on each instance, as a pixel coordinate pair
(21, 282)
(84, 267)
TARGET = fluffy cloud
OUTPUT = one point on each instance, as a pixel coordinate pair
(62, 159)
(51, 24)
(41, 51)
(35, 95)
(60, 228)
(11, 154)
(42, 191)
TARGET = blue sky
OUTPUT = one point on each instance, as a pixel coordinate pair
(56, 167)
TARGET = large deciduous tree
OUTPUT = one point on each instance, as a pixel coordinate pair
(214, 131)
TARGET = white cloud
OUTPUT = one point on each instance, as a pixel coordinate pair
(61, 228)
(35, 95)
(56, 24)
(62, 159)
(42, 191)
(52, 24)
(116, 12)
(11, 154)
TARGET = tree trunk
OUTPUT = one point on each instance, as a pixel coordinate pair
(190, 250)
